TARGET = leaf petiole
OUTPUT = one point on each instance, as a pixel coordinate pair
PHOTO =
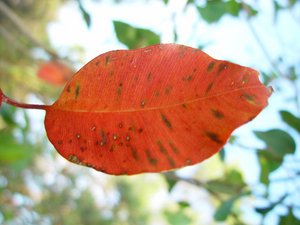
(4, 98)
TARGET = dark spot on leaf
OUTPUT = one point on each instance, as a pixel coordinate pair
(107, 60)
(112, 148)
(194, 70)
(104, 138)
(131, 128)
(77, 91)
(222, 67)
(59, 142)
(134, 153)
(150, 158)
(184, 106)
(166, 121)
(188, 78)
(120, 125)
(249, 98)
(97, 63)
(157, 93)
(74, 159)
(119, 89)
(214, 137)
(173, 147)
(211, 66)
(68, 89)
(217, 114)
(78, 136)
(70, 141)
(164, 151)
(143, 103)
(149, 77)
(168, 90)
(140, 130)
(209, 86)
(82, 149)
(161, 147)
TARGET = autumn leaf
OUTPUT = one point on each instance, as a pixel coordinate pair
(152, 109)
(54, 72)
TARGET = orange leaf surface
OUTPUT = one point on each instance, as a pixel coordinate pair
(152, 109)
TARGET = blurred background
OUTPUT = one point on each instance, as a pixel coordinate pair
(254, 179)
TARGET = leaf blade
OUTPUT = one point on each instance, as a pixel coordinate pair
(144, 109)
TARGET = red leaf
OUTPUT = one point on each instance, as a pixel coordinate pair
(55, 73)
(152, 109)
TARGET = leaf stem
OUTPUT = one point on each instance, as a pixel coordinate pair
(9, 101)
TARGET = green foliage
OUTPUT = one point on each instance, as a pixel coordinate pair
(135, 37)
(86, 16)
(215, 9)
(291, 120)
(278, 142)
(289, 219)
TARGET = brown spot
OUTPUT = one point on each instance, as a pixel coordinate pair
(173, 147)
(93, 128)
(68, 89)
(217, 114)
(166, 121)
(157, 93)
(184, 106)
(209, 86)
(120, 125)
(249, 98)
(104, 138)
(168, 90)
(143, 102)
(74, 159)
(59, 142)
(163, 150)
(211, 66)
(214, 137)
(77, 91)
(119, 89)
(188, 78)
(149, 77)
(131, 128)
(78, 136)
(107, 60)
(127, 138)
(140, 130)
(222, 67)
(97, 63)
(82, 149)
(112, 148)
(70, 141)
(150, 158)
(134, 153)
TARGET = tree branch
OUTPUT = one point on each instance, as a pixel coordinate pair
(9, 14)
